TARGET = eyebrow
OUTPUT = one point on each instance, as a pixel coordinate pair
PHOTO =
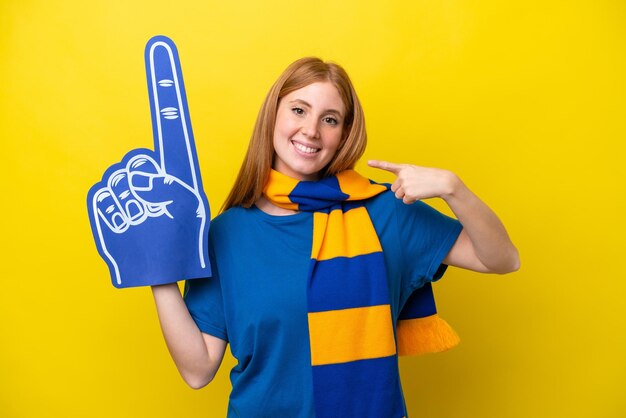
(336, 112)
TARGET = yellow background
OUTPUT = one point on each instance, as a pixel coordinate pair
(524, 100)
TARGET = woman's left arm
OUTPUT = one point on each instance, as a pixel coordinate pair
(483, 244)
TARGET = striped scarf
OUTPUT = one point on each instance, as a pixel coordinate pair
(354, 356)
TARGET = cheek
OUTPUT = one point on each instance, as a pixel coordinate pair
(284, 124)
(281, 133)
(336, 139)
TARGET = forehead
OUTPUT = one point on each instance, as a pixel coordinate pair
(322, 95)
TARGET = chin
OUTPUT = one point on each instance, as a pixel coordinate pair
(299, 169)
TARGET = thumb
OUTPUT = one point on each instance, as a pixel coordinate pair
(385, 165)
(165, 192)
(155, 188)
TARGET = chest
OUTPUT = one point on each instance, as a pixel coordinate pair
(264, 274)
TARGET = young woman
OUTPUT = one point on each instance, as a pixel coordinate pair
(315, 266)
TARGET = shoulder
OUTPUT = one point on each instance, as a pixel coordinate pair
(386, 204)
(388, 212)
(233, 214)
(229, 221)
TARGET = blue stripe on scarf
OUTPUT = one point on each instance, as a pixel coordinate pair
(374, 382)
(312, 196)
(420, 304)
(361, 275)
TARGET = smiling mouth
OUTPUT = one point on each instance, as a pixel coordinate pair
(305, 149)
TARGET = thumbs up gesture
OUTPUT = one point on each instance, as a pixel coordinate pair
(149, 214)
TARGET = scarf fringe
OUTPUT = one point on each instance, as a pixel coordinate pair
(426, 335)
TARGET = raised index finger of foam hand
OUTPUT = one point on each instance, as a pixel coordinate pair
(171, 125)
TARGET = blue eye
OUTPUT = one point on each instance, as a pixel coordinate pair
(297, 110)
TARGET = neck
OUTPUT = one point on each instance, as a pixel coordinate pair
(271, 209)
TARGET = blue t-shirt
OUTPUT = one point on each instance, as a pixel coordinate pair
(256, 299)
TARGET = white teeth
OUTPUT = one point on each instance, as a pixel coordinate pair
(304, 148)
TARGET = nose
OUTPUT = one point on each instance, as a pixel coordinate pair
(310, 128)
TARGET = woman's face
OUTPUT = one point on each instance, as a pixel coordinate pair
(308, 130)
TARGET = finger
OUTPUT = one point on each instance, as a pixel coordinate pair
(396, 185)
(119, 186)
(400, 193)
(106, 207)
(144, 164)
(408, 200)
(385, 165)
(141, 171)
(173, 137)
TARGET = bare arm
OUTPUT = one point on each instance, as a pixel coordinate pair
(484, 244)
(197, 355)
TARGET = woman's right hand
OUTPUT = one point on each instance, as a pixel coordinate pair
(197, 355)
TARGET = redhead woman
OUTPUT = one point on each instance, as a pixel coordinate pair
(322, 277)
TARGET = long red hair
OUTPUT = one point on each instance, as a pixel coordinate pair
(258, 161)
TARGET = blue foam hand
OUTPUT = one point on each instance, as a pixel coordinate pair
(149, 215)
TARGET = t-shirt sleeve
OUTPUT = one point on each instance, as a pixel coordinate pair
(427, 236)
(206, 306)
